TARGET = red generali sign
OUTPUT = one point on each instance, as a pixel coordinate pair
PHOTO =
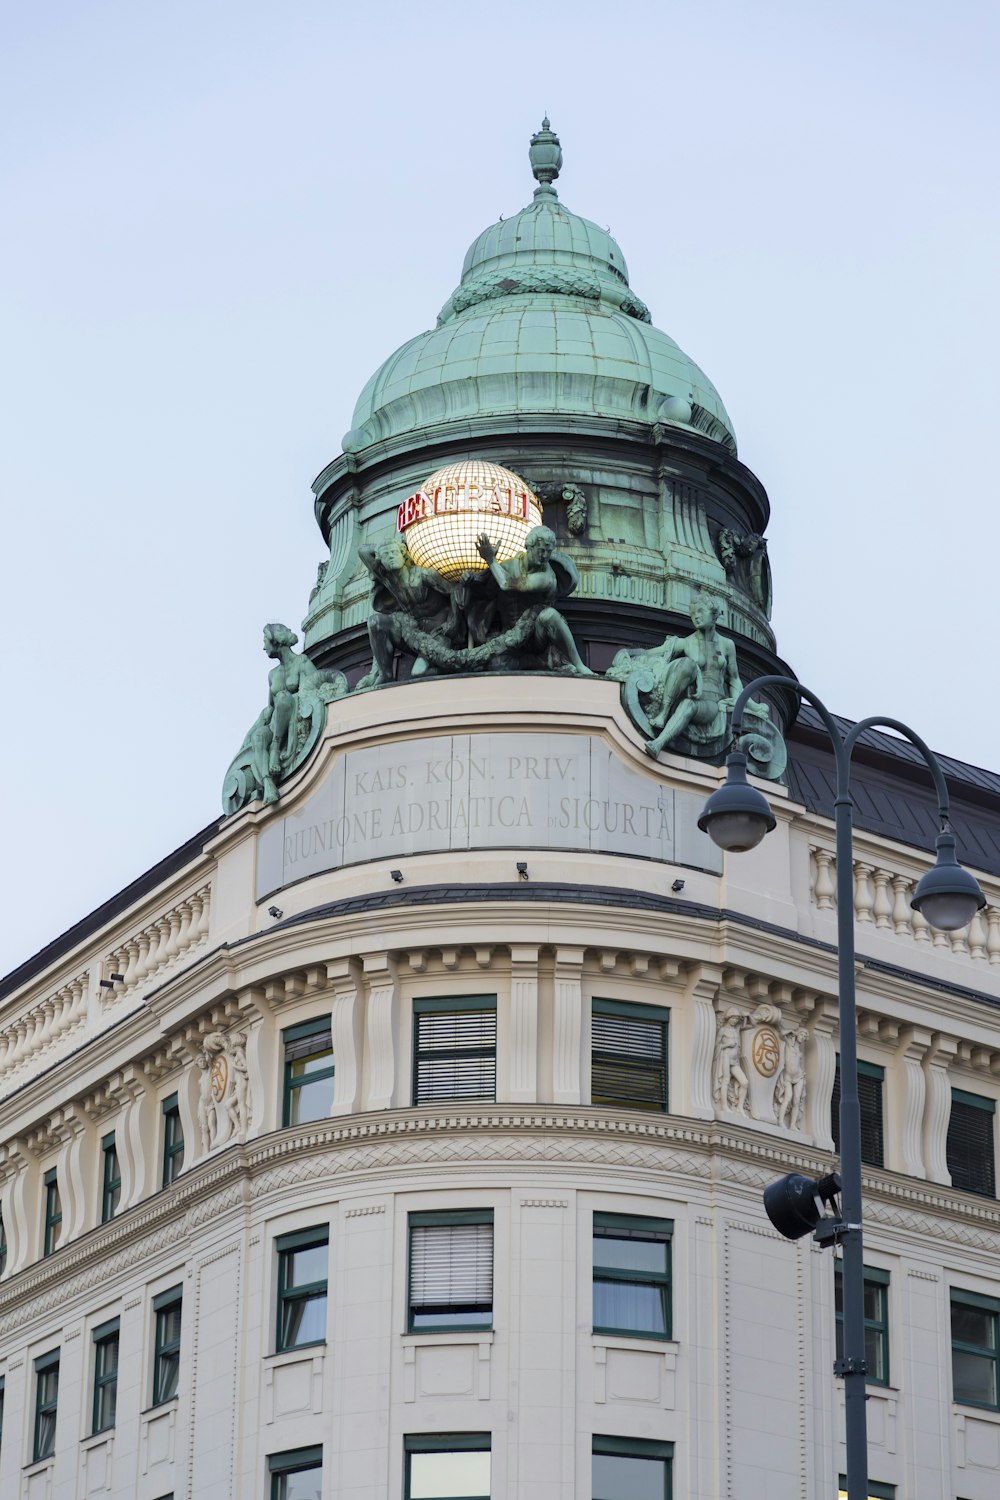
(450, 499)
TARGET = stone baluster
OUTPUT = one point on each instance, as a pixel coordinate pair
(882, 905)
(824, 887)
(171, 946)
(901, 923)
(188, 919)
(977, 936)
(960, 939)
(204, 896)
(921, 926)
(993, 934)
(863, 891)
(147, 951)
(940, 939)
(128, 973)
(154, 958)
(19, 1030)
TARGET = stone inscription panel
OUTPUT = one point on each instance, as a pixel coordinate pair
(482, 791)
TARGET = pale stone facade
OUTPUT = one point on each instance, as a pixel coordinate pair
(187, 992)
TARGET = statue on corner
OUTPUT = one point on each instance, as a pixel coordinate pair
(287, 728)
(680, 694)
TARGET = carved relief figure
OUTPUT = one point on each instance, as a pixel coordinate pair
(745, 561)
(528, 586)
(681, 694)
(729, 1081)
(576, 509)
(224, 1104)
(287, 728)
(790, 1097)
(407, 600)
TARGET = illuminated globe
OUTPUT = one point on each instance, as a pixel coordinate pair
(455, 505)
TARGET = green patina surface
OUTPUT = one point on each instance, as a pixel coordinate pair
(543, 319)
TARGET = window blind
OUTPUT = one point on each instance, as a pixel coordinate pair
(455, 1055)
(628, 1061)
(970, 1144)
(451, 1265)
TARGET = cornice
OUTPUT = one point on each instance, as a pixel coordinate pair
(496, 1144)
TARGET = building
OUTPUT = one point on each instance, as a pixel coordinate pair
(404, 1132)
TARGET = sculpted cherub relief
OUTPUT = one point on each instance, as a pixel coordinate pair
(224, 1104)
(758, 1067)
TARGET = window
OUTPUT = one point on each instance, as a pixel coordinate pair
(632, 1275)
(3, 1246)
(173, 1141)
(111, 1183)
(447, 1463)
(876, 1321)
(451, 1270)
(105, 1375)
(970, 1143)
(302, 1273)
(870, 1078)
(167, 1346)
(46, 1400)
(629, 1055)
(53, 1212)
(308, 1072)
(455, 1049)
(975, 1349)
(297, 1474)
(627, 1469)
(876, 1491)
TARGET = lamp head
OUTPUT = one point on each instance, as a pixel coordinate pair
(795, 1204)
(737, 816)
(948, 897)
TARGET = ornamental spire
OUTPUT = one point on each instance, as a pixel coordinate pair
(545, 155)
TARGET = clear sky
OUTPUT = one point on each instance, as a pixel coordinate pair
(222, 215)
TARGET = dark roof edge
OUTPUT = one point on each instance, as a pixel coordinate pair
(96, 919)
(610, 896)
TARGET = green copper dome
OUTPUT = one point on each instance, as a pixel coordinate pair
(542, 321)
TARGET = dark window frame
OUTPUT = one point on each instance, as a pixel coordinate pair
(292, 1461)
(477, 1051)
(959, 1164)
(46, 1403)
(52, 1232)
(874, 1276)
(173, 1140)
(286, 1245)
(616, 1447)
(166, 1351)
(989, 1305)
(651, 1015)
(105, 1338)
(448, 1219)
(319, 1026)
(111, 1178)
(446, 1442)
(868, 1075)
(638, 1226)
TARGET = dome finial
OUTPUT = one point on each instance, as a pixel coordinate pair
(545, 155)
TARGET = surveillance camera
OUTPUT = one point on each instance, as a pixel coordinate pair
(274, 911)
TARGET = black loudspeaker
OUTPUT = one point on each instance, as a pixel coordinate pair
(790, 1204)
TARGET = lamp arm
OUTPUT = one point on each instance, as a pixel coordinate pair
(931, 760)
(829, 722)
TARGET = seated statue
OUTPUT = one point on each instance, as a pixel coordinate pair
(681, 694)
(408, 603)
(688, 683)
(288, 726)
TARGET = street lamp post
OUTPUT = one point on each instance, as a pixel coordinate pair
(737, 817)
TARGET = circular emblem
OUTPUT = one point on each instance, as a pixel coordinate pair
(220, 1079)
(766, 1052)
